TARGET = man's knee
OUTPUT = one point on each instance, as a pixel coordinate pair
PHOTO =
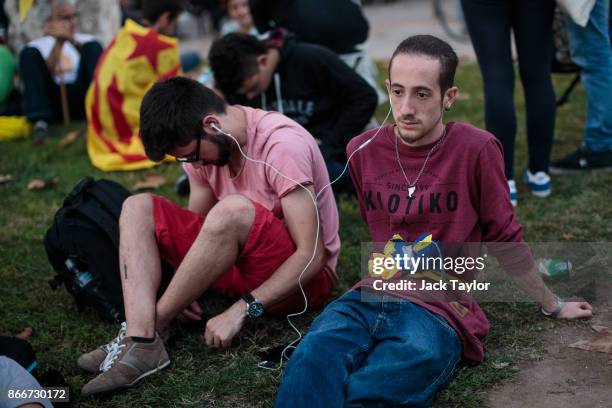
(30, 54)
(137, 209)
(232, 214)
(92, 47)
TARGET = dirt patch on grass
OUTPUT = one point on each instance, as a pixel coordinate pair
(564, 377)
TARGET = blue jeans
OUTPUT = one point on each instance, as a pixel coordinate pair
(591, 49)
(390, 352)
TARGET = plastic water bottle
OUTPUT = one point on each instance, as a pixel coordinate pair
(82, 278)
(553, 268)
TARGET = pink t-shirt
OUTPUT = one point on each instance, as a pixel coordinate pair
(281, 142)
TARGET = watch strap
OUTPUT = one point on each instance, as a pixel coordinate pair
(555, 313)
(248, 298)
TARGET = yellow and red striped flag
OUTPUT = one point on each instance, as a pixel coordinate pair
(130, 65)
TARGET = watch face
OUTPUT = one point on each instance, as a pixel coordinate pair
(255, 309)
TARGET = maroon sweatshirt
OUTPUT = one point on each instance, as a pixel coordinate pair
(461, 196)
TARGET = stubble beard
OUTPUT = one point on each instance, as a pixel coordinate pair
(223, 147)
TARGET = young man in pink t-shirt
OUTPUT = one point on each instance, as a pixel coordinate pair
(252, 231)
(398, 347)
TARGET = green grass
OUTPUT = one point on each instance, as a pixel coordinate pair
(200, 376)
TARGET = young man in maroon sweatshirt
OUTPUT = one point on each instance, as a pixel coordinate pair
(418, 175)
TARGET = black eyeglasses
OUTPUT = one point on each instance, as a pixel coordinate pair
(67, 17)
(195, 158)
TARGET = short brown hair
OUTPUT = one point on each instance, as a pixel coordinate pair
(432, 47)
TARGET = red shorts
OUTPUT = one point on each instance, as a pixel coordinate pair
(267, 247)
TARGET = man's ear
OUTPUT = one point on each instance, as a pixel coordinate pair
(208, 121)
(388, 85)
(449, 96)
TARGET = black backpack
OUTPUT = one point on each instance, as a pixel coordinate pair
(82, 246)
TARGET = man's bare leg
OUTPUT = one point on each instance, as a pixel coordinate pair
(140, 265)
(213, 253)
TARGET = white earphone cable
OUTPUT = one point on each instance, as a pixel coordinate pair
(313, 198)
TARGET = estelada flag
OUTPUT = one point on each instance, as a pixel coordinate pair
(130, 65)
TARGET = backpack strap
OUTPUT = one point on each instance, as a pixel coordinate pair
(102, 219)
(110, 194)
(77, 191)
(109, 197)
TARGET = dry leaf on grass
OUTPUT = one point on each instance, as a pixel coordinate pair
(5, 178)
(25, 333)
(38, 184)
(150, 181)
(601, 342)
(71, 137)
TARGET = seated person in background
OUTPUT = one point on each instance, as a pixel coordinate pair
(339, 25)
(62, 56)
(399, 347)
(239, 18)
(305, 82)
(136, 58)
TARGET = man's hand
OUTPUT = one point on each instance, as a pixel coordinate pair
(60, 29)
(575, 310)
(192, 312)
(221, 329)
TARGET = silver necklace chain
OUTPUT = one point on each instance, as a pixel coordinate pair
(412, 186)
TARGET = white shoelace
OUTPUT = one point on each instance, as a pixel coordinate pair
(111, 357)
(112, 348)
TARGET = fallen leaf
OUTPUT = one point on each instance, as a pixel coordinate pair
(38, 184)
(150, 181)
(601, 342)
(69, 138)
(25, 333)
(567, 235)
(5, 178)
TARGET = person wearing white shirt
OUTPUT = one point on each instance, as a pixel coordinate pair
(62, 56)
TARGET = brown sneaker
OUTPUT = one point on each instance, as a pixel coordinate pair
(92, 361)
(126, 364)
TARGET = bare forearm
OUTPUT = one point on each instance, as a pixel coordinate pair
(54, 56)
(532, 283)
(284, 281)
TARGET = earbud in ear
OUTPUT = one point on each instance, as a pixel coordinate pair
(218, 129)
(447, 108)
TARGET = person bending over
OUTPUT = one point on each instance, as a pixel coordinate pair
(248, 232)
(305, 82)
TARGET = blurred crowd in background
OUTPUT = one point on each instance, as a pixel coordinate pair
(50, 51)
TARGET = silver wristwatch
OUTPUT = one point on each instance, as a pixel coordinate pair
(558, 306)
